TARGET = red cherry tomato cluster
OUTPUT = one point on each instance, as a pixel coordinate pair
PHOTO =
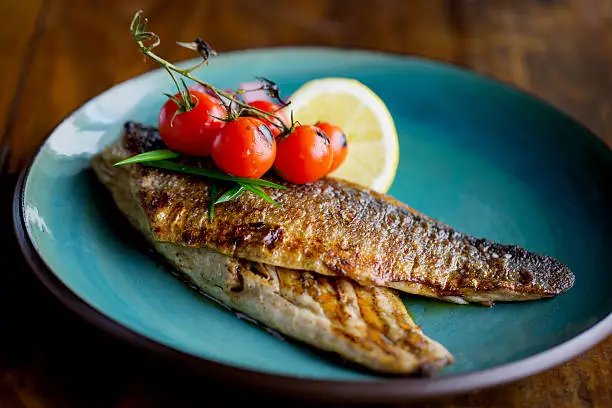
(250, 146)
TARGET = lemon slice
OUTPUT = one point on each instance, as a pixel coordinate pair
(373, 148)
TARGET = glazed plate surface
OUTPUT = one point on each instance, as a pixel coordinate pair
(478, 155)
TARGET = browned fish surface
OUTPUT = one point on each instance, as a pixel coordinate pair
(333, 227)
(366, 325)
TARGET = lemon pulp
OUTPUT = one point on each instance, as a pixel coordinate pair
(373, 148)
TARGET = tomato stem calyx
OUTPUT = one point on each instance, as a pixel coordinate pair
(285, 133)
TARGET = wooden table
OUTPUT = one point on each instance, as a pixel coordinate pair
(58, 54)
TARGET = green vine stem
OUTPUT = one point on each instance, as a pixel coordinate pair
(140, 35)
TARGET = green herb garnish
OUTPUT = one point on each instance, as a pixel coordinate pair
(153, 155)
(158, 159)
(213, 174)
(231, 194)
(214, 190)
(257, 190)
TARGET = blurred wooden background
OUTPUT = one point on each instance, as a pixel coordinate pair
(57, 54)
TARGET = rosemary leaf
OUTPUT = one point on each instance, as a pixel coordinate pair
(214, 190)
(258, 191)
(153, 155)
(231, 194)
(213, 174)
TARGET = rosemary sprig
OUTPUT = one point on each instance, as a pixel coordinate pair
(141, 35)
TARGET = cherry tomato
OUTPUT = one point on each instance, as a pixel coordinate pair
(245, 147)
(304, 156)
(271, 107)
(339, 145)
(191, 132)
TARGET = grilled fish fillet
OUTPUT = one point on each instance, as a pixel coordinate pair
(366, 325)
(336, 228)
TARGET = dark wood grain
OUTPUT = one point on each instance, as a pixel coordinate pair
(86, 47)
(557, 50)
(58, 54)
(22, 19)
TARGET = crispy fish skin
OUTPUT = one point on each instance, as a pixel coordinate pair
(337, 228)
(366, 325)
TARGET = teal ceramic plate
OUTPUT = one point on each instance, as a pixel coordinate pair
(476, 154)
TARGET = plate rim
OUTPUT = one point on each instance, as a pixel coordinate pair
(384, 390)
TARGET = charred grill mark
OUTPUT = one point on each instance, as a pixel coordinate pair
(402, 316)
(371, 313)
(380, 313)
(368, 307)
(343, 300)
(326, 296)
(347, 296)
(292, 287)
(400, 327)
(330, 298)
